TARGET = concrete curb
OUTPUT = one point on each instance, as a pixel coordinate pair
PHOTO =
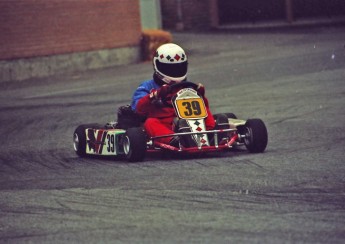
(39, 67)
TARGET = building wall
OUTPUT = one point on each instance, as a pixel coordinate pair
(150, 11)
(232, 11)
(32, 28)
(196, 14)
(169, 14)
(318, 8)
(186, 14)
(203, 14)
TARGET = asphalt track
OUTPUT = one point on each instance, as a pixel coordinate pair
(293, 79)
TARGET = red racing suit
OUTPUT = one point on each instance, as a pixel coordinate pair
(160, 117)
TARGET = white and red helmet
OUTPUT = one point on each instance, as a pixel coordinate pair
(170, 63)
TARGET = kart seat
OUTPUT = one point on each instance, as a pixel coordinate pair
(127, 118)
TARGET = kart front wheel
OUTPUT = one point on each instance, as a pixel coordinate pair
(134, 144)
(256, 136)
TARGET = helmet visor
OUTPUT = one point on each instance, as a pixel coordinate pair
(173, 70)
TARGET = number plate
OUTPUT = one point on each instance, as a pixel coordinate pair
(191, 108)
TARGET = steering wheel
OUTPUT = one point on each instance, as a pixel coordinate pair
(180, 85)
(183, 84)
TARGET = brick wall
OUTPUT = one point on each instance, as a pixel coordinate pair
(31, 28)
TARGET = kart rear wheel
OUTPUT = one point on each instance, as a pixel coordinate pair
(79, 141)
(256, 136)
(134, 144)
(231, 115)
(228, 115)
(79, 138)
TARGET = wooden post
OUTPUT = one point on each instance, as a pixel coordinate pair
(289, 11)
(214, 16)
(180, 23)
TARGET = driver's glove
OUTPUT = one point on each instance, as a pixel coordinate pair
(159, 93)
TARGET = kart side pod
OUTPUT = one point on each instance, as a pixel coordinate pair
(94, 139)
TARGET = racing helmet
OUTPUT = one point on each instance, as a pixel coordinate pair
(170, 63)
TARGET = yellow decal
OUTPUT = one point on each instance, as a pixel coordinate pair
(191, 108)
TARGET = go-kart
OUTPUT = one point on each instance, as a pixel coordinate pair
(127, 138)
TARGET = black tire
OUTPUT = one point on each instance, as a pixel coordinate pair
(231, 115)
(79, 138)
(256, 135)
(228, 115)
(222, 122)
(134, 144)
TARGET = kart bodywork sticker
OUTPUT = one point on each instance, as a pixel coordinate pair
(102, 142)
(199, 126)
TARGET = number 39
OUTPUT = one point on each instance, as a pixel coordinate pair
(111, 143)
(192, 108)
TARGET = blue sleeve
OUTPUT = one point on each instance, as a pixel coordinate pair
(143, 89)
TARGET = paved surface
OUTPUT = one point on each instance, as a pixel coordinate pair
(294, 192)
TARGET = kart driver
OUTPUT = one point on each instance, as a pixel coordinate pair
(170, 67)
